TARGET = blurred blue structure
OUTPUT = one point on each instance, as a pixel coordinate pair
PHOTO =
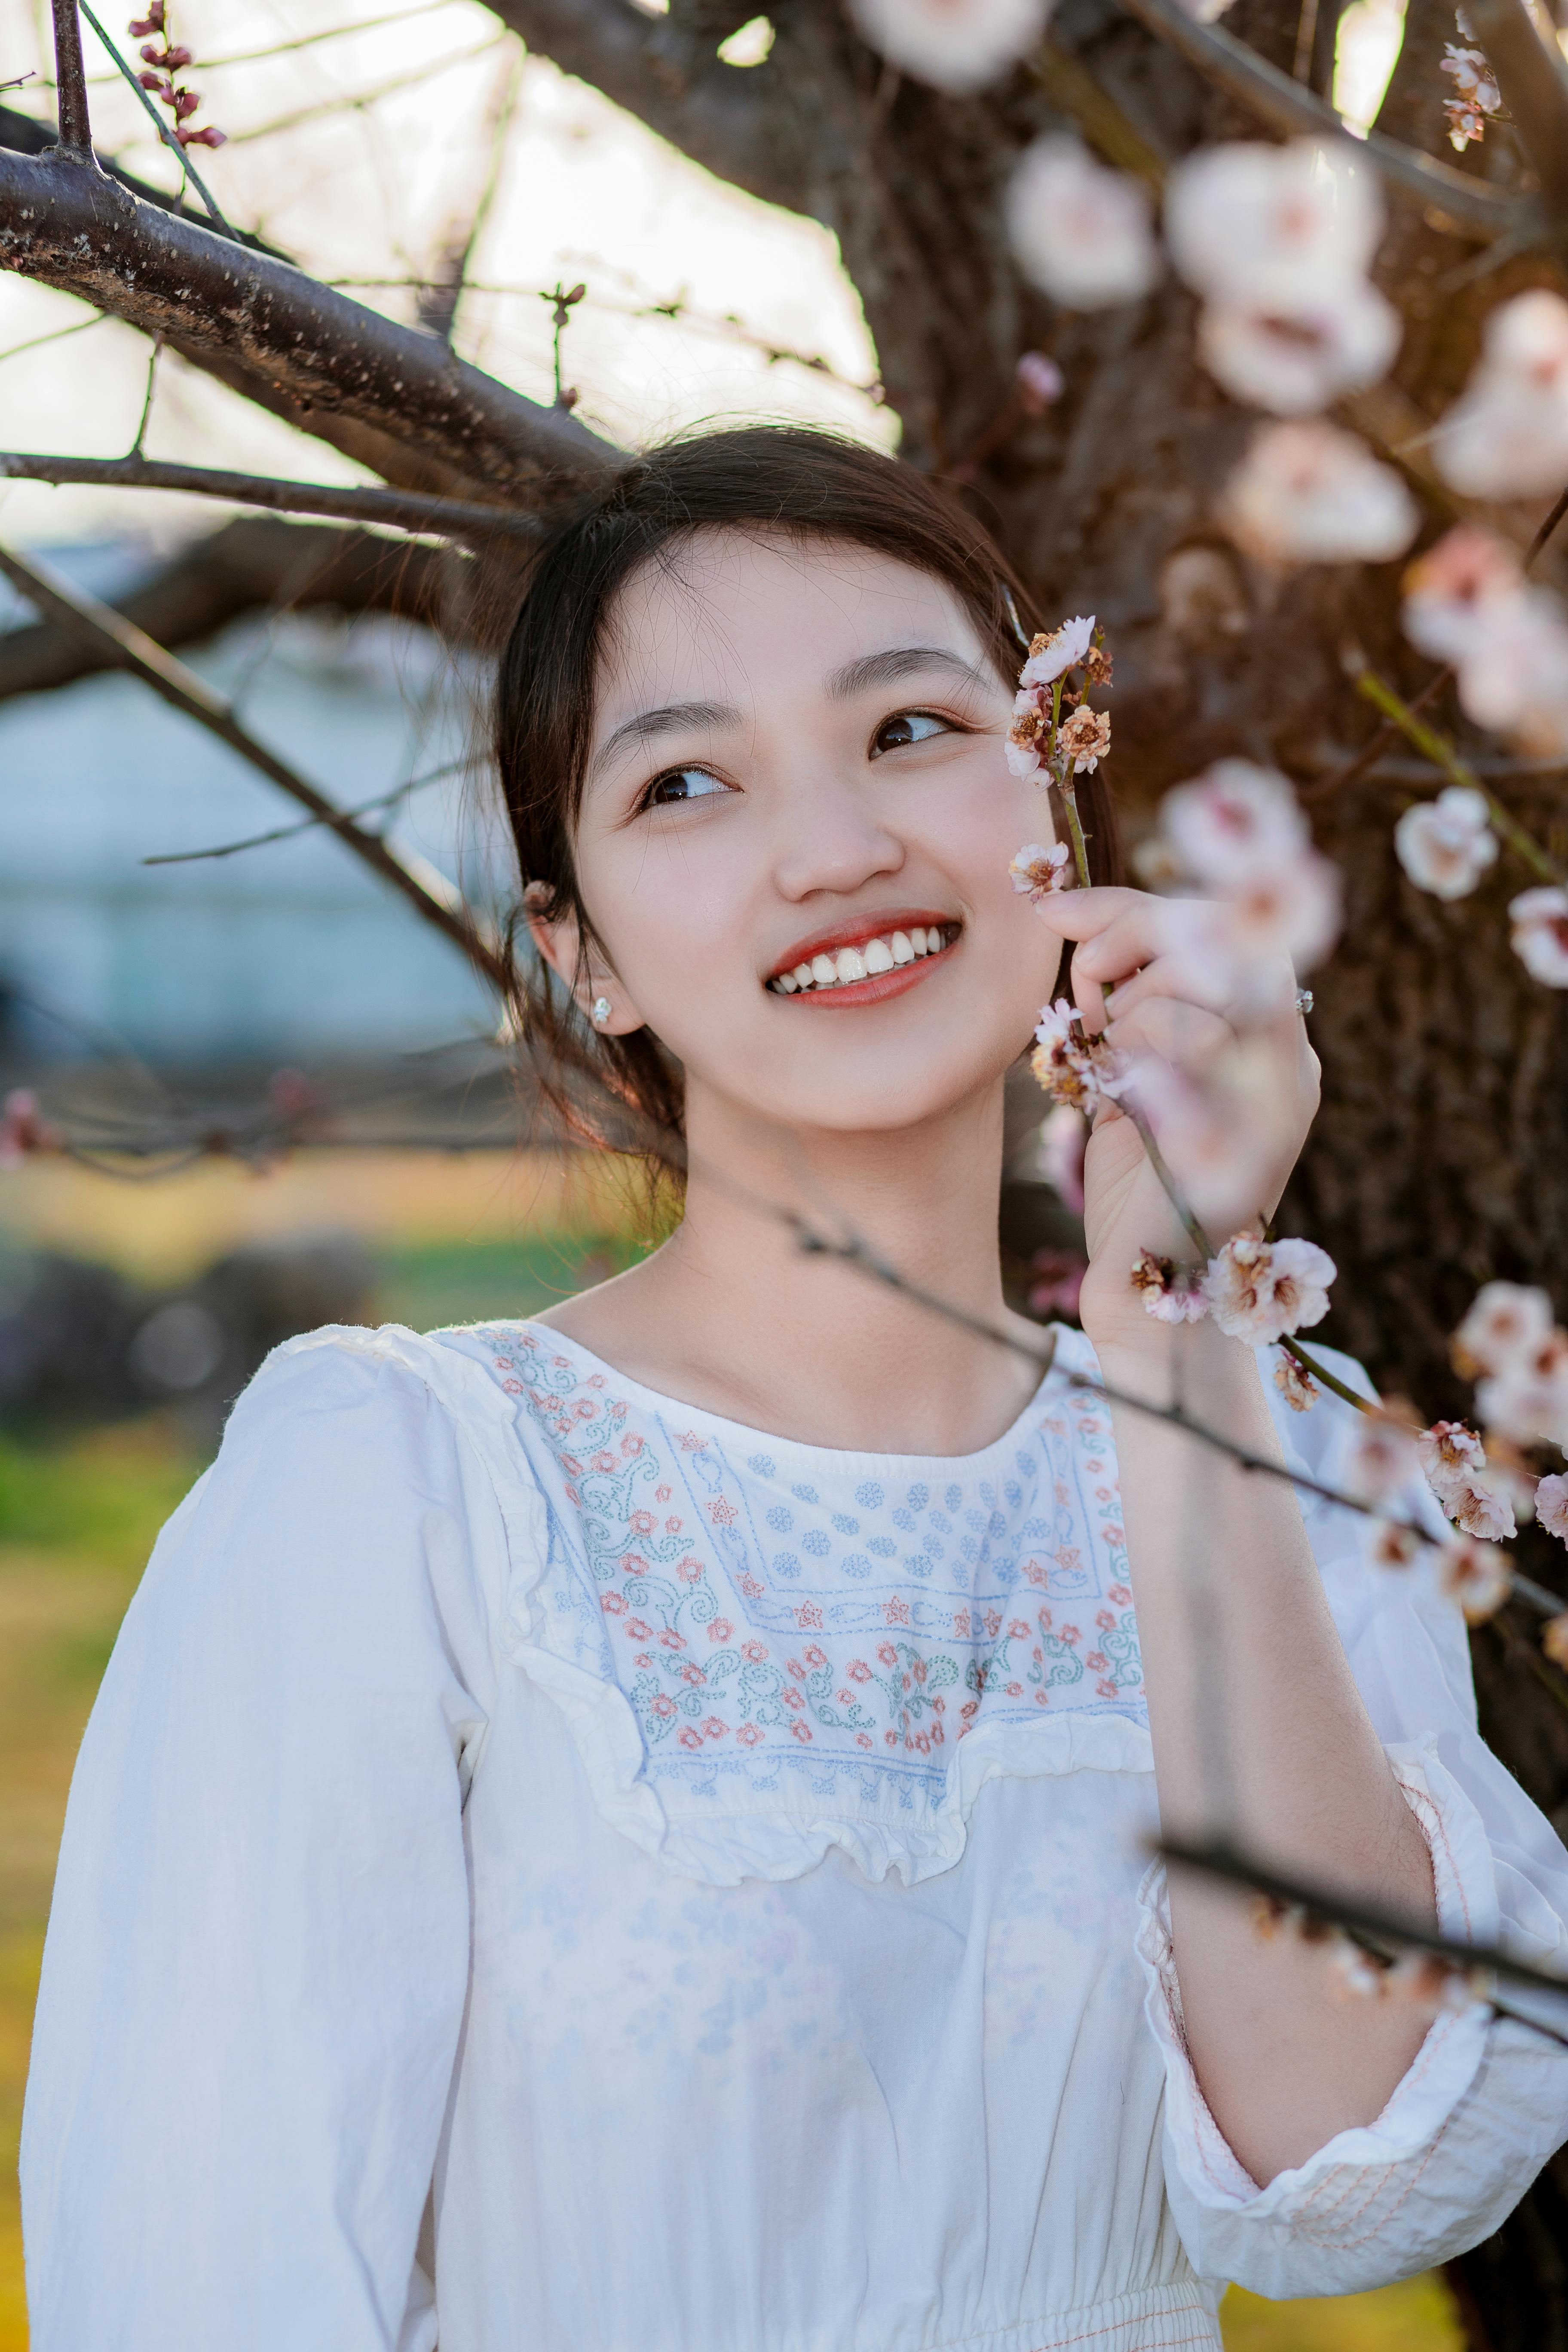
(288, 953)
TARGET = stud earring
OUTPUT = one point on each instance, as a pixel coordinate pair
(601, 1012)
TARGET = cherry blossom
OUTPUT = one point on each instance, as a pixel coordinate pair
(1171, 1293)
(1072, 1066)
(1506, 436)
(1539, 941)
(1233, 821)
(1259, 1291)
(1446, 844)
(1308, 493)
(1265, 228)
(1506, 1324)
(1295, 1383)
(1247, 944)
(1454, 1463)
(1460, 593)
(1082, 233)
(1528, 1399)
(1476, 94)
(959, 45)
(1476, 1575)
(1029, 732)
(1391, 1545)
(1552, 1508)
(1037, 871)
(1084, 739)
(1382, 1460)
(1296, 361)
(1468, 603)
(1052, 655)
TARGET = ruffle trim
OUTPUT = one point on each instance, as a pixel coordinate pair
(1432, 2086)
(766, 1838)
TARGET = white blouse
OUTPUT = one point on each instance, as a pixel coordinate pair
(551, 1868)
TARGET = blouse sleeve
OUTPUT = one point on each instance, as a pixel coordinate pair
(1485, 2102)
(257, 1959)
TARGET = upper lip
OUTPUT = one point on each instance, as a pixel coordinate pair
(854, 931)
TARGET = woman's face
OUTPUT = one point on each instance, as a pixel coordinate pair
(797, 784)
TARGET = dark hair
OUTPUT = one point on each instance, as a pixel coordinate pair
(795, 481)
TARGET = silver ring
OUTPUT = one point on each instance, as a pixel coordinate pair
(1304, 1002)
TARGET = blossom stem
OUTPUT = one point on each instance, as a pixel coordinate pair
(1331, 1380)
(1436, 747)
(1075, 829)
(1158, 1162)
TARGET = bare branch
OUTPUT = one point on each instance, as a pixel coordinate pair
(1534, 85)
(70, 80)
(424, 887)
(308, 353)
(1468, 205)
(671, 78)
(251, 562)
(399, 509)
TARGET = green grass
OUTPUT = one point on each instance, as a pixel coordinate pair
(78, 1518)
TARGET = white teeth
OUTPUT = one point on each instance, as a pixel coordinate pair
(864, 962)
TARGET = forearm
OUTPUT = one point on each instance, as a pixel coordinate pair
(1258, 1727)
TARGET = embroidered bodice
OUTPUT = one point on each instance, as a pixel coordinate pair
(551, 1867)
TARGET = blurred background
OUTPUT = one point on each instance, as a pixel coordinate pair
(346, 1138)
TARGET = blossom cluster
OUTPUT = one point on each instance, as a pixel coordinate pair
(1477, 99)
(1256, 1290)
(1041, 742)
(164, 57)
(1468, 603)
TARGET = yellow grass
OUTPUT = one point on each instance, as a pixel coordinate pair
(76, 1522)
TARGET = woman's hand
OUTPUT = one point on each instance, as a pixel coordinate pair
(1167, 1000)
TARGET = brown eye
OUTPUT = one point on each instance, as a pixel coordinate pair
(683, 784)
(907, 727)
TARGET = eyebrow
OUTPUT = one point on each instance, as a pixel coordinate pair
(899, 661)
(649, 725)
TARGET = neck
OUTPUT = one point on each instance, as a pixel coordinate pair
(734, 1313)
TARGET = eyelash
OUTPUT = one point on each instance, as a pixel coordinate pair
(940, 721)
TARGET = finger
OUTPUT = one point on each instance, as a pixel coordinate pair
(1080, 914)
(1140, 929)
(1178, 975)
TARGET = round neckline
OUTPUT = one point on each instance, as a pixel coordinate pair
(949, 1466)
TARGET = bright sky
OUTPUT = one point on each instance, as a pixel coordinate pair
(376, 191)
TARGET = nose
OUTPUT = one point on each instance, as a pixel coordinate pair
(830, 838)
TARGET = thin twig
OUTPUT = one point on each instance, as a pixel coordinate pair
(354, 102)
(308, 823)
(399, 509)
(182, 155)
(427, 889)
(1436, 748)
(71, 82)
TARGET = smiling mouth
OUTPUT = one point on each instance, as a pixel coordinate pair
(869, 968)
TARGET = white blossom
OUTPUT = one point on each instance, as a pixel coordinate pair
(1259, 1291)
(1171, 1293)
(1552, 1506)
(1051, 657)
(1506, 436)
(1295, 1383)
(1029, 732)
(1082, 233)
(1391, 1544)
(1528, 1399)
(1462, 593)
(1476, 94)
(1037, 871)
(1476, 1575)
(1507, 1322)
(1382, 1460)
(1446, 844)
(1308, 493)
(1540, 939)
(1293, 362)
(1233, 821)
(959, 45)
(1262, 228)
(1468, 603)
(1072, 1066)
(1247, 945)
(1451, 1455)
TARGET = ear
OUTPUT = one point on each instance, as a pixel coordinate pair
(589, 976)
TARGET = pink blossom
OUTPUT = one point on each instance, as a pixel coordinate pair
(1295, 1383)
(1029, 733)
(1308, 493)
(1269, 229)
(1529, 1399)
(1037, 871)
(1446, 844)
(1233, 820)
(1507, 1322)
(1476, 94)
(958, 44)
(1072, 1066)
(1040, 383)
(1459, 592)
(1171, 1293)
(1082, 233)
(1390, 1544)
(1476, 1575)
(1552, 1506)
(1296, 361)
(1506, 436)
(1539, 939)
(1084, 739)
(1052, 656)
(1248, 944)
(1258, 1291)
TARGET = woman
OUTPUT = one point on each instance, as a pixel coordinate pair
(631, 1828)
